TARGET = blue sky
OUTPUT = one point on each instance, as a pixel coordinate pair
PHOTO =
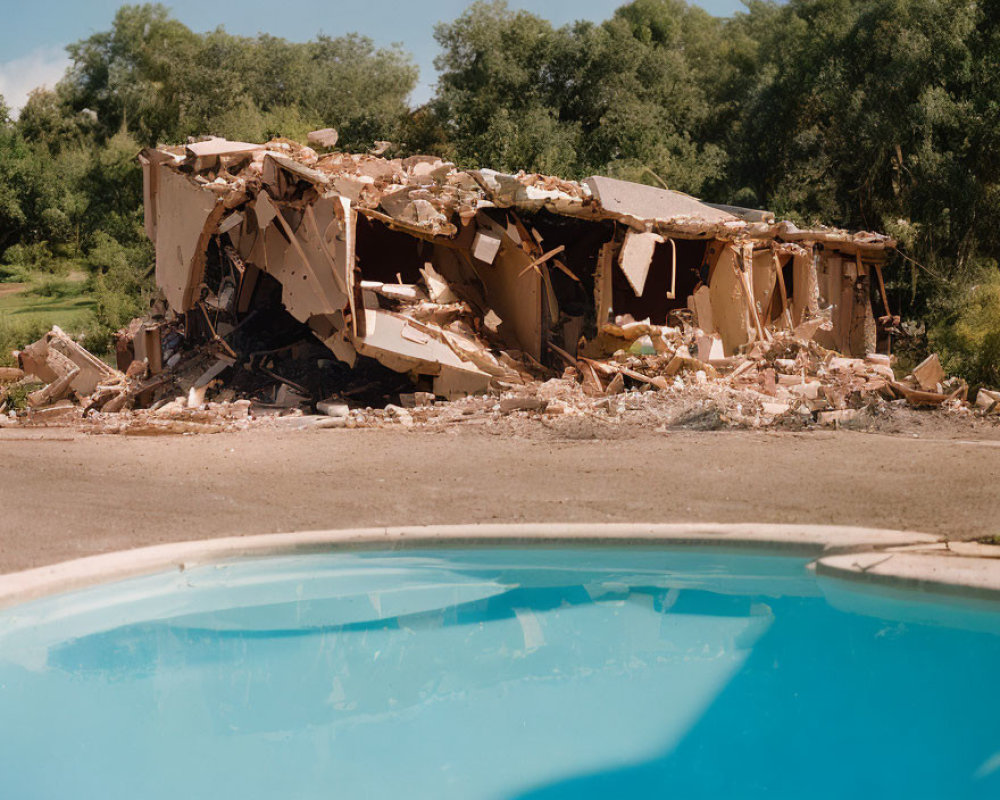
(34, 33)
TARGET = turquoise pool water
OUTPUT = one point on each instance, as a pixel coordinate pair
(498, 673)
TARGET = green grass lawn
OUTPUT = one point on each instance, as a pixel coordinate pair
(66, 303)
(26, 314)
(66, 312)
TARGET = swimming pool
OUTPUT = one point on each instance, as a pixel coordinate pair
(499, 672)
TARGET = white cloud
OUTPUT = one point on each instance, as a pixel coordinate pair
(41, 67)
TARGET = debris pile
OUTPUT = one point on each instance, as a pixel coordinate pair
(308, 289)
(657, 375)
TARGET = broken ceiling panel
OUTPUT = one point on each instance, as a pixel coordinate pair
(650, 203)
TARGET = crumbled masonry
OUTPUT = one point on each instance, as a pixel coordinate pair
(307, 289)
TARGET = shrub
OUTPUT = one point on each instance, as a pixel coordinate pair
(16, 334)
(118, 286)
(35, 256)
(56, 288)
(967, 335)
(56, 225)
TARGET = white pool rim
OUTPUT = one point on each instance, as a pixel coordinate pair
(893, 558)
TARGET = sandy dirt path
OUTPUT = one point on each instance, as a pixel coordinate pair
(65, 495)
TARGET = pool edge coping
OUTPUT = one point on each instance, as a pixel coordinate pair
(871, 555)
(921, 571)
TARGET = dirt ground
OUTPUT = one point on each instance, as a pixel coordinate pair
(65, 495)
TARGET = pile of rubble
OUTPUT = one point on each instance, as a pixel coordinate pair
(304, 288)
(658, 373)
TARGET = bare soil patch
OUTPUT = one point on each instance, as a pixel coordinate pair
(66, 495)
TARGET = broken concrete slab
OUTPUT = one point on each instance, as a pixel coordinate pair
(929, 373)
(988, 401)
(837, 417)
(324, 137)
(55, 391)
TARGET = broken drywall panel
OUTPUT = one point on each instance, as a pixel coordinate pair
(390, 339)
(729, 308)
(635, 257)
(604, 282)
(331, 331)
(340, 243)
(274, 164)
(215, 146)
(314, 264)
(764, 282)
(453, 265)
(56, 355)
(650, 203)
(514, 293)
(702, 302)
(234, 220)
(438, 288)
(206, 154)
(264, 210)
(710, 348)
(184, 223)
(805, 287)
(323, 240)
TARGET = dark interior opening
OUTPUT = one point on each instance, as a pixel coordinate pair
(654, 303)
(788, 273)
(383, 254)
(583, 240)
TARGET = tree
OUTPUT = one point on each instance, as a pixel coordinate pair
(153, 77)
(628, 97)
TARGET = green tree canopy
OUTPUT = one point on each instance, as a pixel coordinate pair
(153, 77)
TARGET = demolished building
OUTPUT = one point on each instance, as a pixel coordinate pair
(359, 290)
(455, 277)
